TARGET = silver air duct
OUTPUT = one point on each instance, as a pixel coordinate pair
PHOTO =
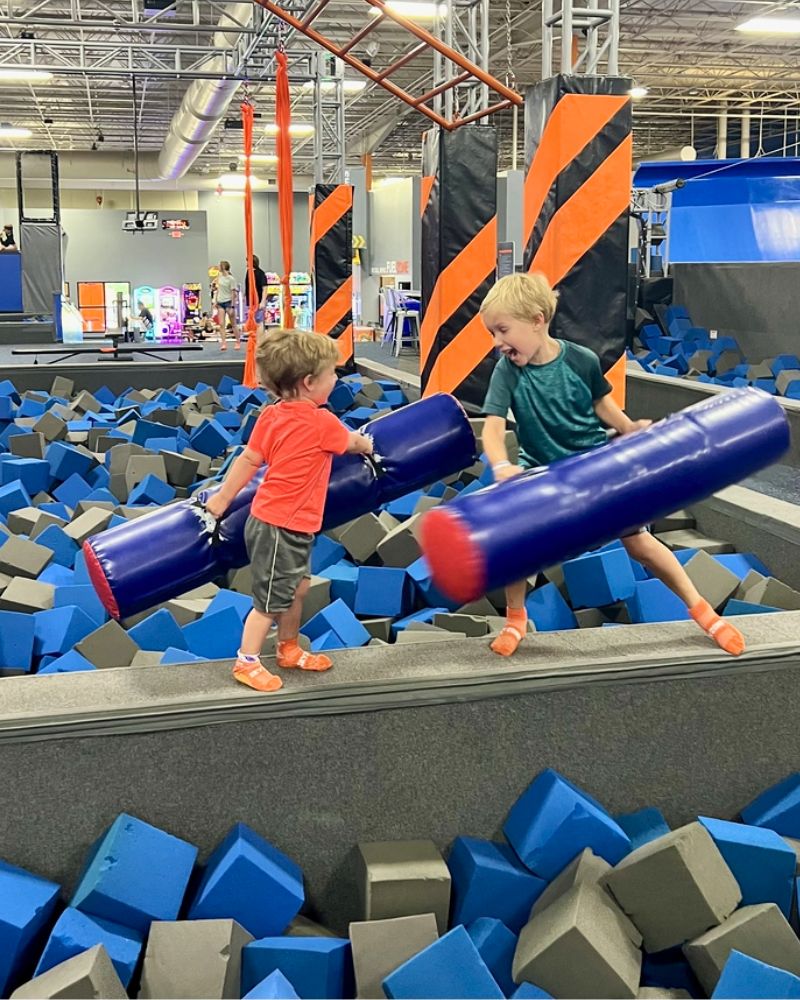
(204, 103)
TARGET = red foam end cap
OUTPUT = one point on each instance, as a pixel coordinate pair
(100, 580)
(457, 566)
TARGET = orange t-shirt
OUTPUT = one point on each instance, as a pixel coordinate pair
(297, 440)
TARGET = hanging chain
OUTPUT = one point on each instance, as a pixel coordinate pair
(510, 78)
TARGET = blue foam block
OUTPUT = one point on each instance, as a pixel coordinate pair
(426, 615)
(57, 575)
(241, 603)
(33, 473)
(274, 987)
(344, 577)
(72, 490)
(382, 591)
(450, 967)
(643, 826)
(249, 880)
(496, 945)
(653, 601)
(553, 820)
(70, 663)
(151, 491)
(359, 416)
(175, 655)
(146, 430)
(403, 507)
(317, 967)
(58, 629)
(488, 880)
(327, 641)
(670, 970)
(745, 978)
(785, 362)
(17, 631)
(214, 637)
(76, 932)
(63, 547)
(548, 610)
(27, 905)
(762, 862)
(341, 398)
(740, 563)
(137, 874)
(325, 553)
(13, 496)
(337, 617)
(65, 460)
(210, 438)
(31, 408)
(736, 607)
(527, 991)
(158, 632)
(599, 578)
(777, 808)
(419, 573)
(83, 596)
(58, 509)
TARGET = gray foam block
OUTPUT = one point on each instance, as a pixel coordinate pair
(303, 926)
(715, 582)
(785, 378)
(768, 591)
(203, 461)
(193, 958)
(41, 498)
(483, 606)
(469, 625)
(403, 878)
(192, 419)
(590, 618)
(762, 370)
(131, 513)
(675, 887)
(83, 505)
(378, 628)
(400, 547)
(698, 362)
(185, 611)
(661, 993)
(20, 557)
(89, 523)
(727, 360)
(62, 386)
(555, 574)
(207, 397)
(181, 471)
(760, 931)
(795, 846)
(389, 522)
(169, 418)
(90, 974)
(475, 471)
(584, 869)
(420, 632)
(146, 658)
(26, 595)
(86, 403)
(205, 592)
(752, 578)
(31, 521)
(108, 646)
(53, 428)
(241, 580)
(677, 521)
(687, 539)
(121, 454)
(140, 466)
(27, 445)
(4, 581)
(362, 536)
(579, 946)
(449, 494)
(381, 946)
(317, 598)
(377, 642)
(371, 390)
(425, 504)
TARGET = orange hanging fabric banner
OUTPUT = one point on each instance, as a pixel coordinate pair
(283, 144)
(250, 378)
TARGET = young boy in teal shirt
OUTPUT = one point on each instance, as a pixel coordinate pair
(562, 405)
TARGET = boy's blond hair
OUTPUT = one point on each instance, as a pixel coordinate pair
(523, 296)
(286, 357)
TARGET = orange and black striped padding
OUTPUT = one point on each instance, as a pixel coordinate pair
(332, 266)
(459, 258)
(575, 216)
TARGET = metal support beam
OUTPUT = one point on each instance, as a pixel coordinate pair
(580, 38)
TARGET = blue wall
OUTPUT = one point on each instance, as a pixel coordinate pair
(10, 282)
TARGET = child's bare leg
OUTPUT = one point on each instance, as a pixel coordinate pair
(516, 620)
(662, 564)
(290, 654)
(248, 668)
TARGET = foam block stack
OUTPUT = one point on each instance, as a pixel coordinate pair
(574, 902)
(672, 345)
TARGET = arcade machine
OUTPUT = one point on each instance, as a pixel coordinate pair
(192, 303)
(148, 297)
(169, 322)
(302, 299)
(272, 309)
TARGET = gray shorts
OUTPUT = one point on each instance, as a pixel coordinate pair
(279, 561)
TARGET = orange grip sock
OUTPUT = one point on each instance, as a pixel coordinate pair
(513, 632)
(291, 654)
(726, 635)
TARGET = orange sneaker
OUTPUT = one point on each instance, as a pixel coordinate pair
(255, 676)
(291, 656)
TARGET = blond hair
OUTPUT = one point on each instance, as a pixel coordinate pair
(524, 296)
(286, 357)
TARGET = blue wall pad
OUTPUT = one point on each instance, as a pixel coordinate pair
(27, 904)
(16, 639)
(450, 967)
(777, 808)
(496, 946)
(643, 826)
(553, 821)
(76, 932)
(137, 874)
(318, 968)
(275, 987)
(249, 880)
(762, 862)
(488, 880)
(548, 610)
(744, 977)
(599, 578)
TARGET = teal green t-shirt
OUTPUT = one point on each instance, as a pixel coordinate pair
(552, 403)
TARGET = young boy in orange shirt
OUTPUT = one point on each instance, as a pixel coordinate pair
(562, 405)
(297, 440)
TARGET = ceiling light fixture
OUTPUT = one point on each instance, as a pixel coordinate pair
(637, 93)
(297, 129)
(237, 182)
(260, 158)
(21, 74)
(13, 132)
(415, 10)
(349, 86)
(771, 26)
